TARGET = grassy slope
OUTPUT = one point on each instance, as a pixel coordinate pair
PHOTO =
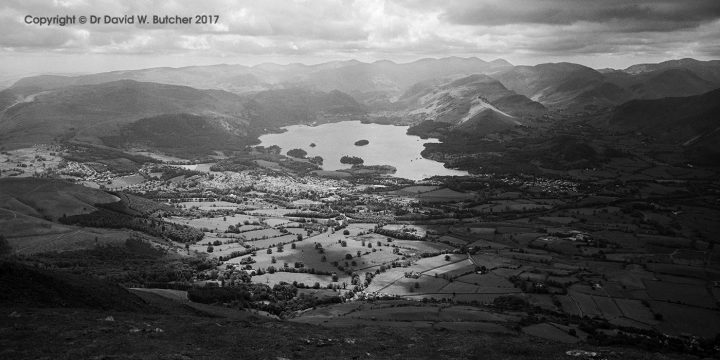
(74, 333)
(47, 198)
(56, 315)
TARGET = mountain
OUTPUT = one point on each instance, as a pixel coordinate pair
(238, 102)
(553, 85)
(381, 84)
(676, 82)
(175, 119)
(300, 106)
(394, 78)
(459, 100)
(576, 88)
(708, 70)
(233, 78)
(90, 112)
(691, 122)
(380, 81)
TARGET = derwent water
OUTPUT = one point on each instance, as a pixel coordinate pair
(388, 145)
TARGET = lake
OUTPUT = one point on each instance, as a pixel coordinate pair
(388, 145)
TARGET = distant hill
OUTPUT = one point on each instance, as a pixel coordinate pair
(89, 112)
(235, 78)
(692, 122)
(476, 103)
(353, 77)
(116, 109)
(551, 84)
(577, 88)
(393, 78)
(675, 82)
(708, 70)
(299, 106)
(185, 135)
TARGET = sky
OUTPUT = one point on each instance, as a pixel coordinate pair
(599, 34)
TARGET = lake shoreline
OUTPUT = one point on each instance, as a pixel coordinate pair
(388, 145)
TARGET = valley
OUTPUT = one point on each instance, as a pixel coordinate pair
(508, 203)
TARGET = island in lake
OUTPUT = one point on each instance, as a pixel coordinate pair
(354, 160)
(362, 142)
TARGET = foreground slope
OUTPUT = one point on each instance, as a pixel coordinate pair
(80, 317)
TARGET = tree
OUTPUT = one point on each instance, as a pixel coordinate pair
(210, 248)
(346, 232)
(353, 160)
(297, 153)
(348, 256)
(447, 257)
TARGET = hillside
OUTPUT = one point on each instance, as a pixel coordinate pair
(691, 122)
(181, 134)
(576, 87)
(352, 76)
(84, 317)
(384, 85)
(48, 198)
(22, 284)
(457, 101)
(294, 106)
(709, 70)
(550, 84)
(89, 112)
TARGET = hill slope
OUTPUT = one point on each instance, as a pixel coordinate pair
(692, 122)
(89, 112)
(21, 284)
(576, 87)
(476, 103)
(299, 106)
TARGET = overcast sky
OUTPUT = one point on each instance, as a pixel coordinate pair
(607, 33)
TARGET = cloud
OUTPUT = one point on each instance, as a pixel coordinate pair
(299, 30)
(675, 14)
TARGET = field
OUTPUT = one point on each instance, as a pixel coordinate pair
(28, 161)
(66, 239)
(695, 295)
(444, 195)
(679, 319)
(475, 249)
